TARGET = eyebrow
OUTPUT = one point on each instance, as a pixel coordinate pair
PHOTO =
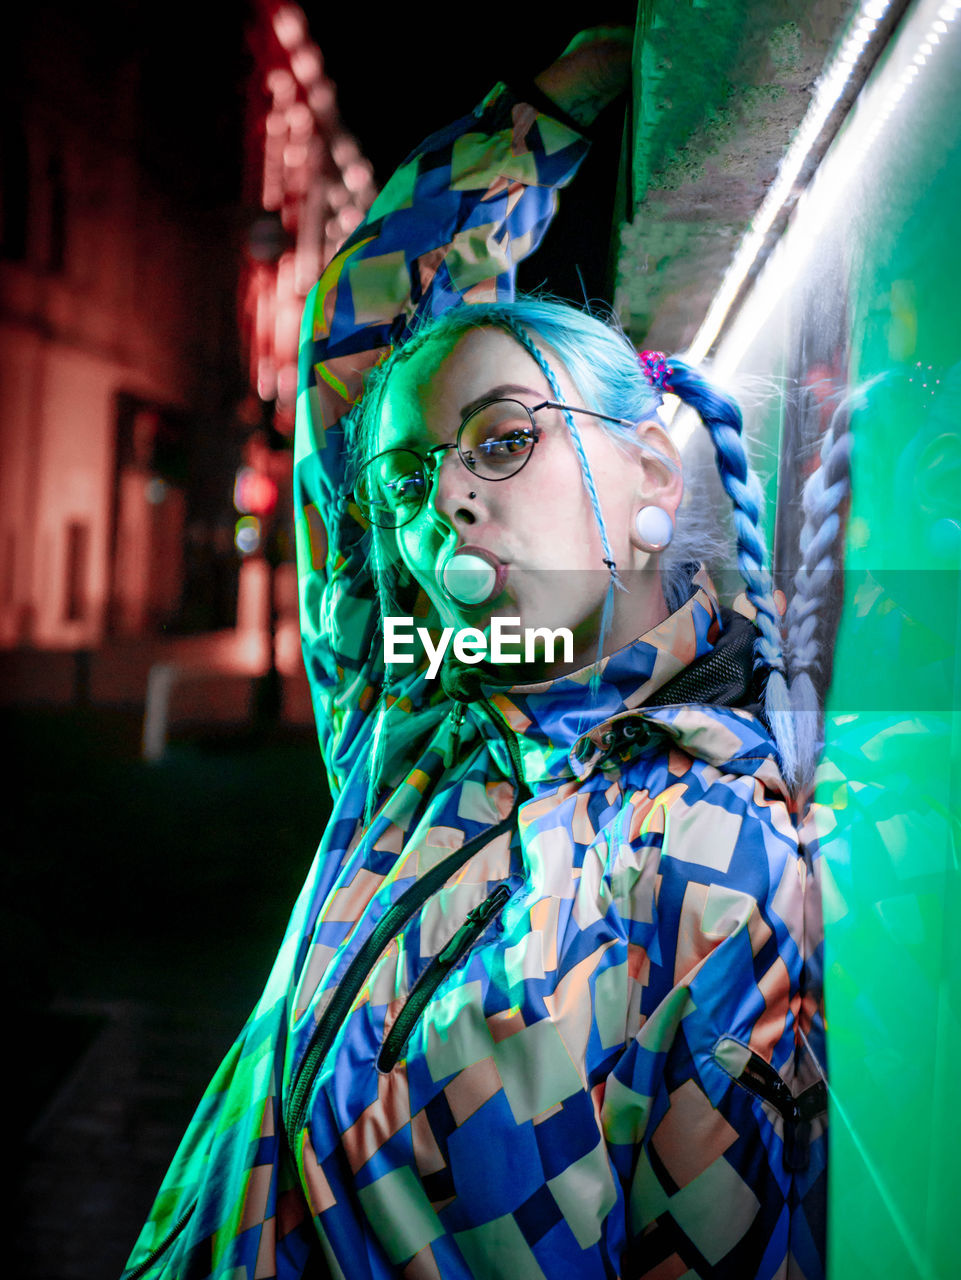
(409, 438)
(496, 393)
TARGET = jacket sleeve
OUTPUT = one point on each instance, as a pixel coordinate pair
(714, 1114)
(449, 227)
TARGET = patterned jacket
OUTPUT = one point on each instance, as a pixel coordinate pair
(554, 1012)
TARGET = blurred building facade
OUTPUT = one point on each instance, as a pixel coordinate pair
(169, 193)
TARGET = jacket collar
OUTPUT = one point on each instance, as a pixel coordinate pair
(565, 729)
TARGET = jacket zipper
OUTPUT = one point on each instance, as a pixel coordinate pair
(390, 924)
(760, 1078)
(141, 1268)
(383, 932)
(456, 718)
(475, 923)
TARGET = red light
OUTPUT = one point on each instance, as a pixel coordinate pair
(306, 64)
(290, 26)
(254, 492)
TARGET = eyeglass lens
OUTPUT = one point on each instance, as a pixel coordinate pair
(497, 439)
(493, 443)
(391, 488)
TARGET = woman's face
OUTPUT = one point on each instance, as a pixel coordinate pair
(539, 523)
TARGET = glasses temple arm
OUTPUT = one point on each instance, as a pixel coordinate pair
(621, 422)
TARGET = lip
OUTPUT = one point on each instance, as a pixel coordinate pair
(497, 583)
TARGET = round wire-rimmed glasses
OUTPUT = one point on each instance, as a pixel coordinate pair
(494, 442)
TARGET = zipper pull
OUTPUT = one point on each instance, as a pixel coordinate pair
(474, 922)
(453, 741)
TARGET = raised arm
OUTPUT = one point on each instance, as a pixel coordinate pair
(450, 226)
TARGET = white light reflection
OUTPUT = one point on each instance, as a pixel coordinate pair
(784, 265)
(829, 90)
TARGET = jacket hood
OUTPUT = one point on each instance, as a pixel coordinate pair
(688, 683)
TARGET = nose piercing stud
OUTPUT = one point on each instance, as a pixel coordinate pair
(472, 494)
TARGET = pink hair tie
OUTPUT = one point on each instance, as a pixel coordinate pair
(656, 369)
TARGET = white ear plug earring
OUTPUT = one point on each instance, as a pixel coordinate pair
(653, 529)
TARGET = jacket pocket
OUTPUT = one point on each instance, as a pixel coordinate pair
(474, 925)
(751, 1072)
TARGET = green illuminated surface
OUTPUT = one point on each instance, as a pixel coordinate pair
(893, 903)
(864, 292)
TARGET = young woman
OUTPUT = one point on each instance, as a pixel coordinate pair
(548, 1002)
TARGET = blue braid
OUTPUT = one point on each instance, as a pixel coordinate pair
(723, 420)
(510, 325)
(521, 335)
(823, 495)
